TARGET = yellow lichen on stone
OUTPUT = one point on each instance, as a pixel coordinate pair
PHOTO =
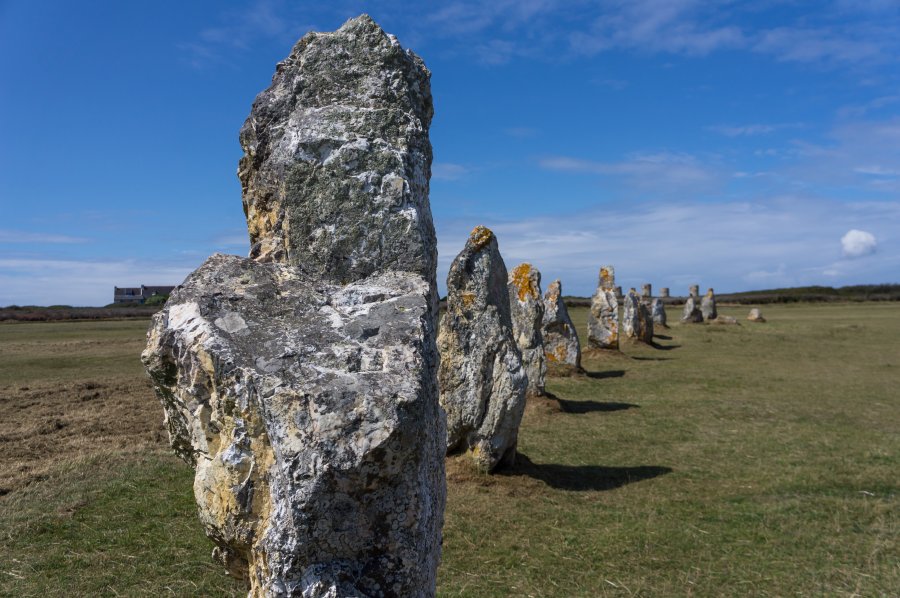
(467, 299)
(521, 278)
(605, 278)
(480, 236)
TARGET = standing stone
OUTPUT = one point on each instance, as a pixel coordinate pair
(619, 295)
(658, 313)
(603, 319)
(561, 346)
(481, 377)
(631, 315)
(527, 313)
(347, 117)
(637, 322)
(691, 314)
(695, 290)
(646, 291)
(664, 292)
(302, 385)
(755, 315)
(645, 324)
(708, 305)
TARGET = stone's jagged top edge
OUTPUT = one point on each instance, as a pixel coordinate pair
(607, 277)
(710, 293)
(526, 279)
(554, 290)
(480, 236)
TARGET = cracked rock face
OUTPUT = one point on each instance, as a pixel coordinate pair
(691, 314)
(527, 313)
(481, 376)
(310, 413)
(658, 313)
(561, 345)
(637, 322)
(344, 124)
(302, 385)
(708, 305)
(603, 319)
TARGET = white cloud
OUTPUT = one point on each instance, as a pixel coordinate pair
(784, 241)
(662, 171)
(858, 243)
(18, 236)
(750, 130)
(447, 171)
(26, 281)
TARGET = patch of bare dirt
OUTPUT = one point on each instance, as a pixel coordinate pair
(42, 426)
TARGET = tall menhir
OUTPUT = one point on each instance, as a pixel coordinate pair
(301, 382)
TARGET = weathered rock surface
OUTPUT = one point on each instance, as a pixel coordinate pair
(708, 305)
(658, 313)
(527, 314)
(755, 315)
(637, 321)
(631, 315)
(603, 319)
(691, 313)
(482, 380)
(346, 119)
(695, 291)
(561, 345)
(310, 413)
(646, 290)
(302, 385)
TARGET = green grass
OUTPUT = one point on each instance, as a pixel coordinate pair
(752, 460)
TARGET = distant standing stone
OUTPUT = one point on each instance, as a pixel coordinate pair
(646, 291)
(691, 313)
(658, 312)
(708, 305)
(755, 315)
(695, 290)
(664, 292)
(603, 319)
(631, 315)
(561, 345)
(481, 377)
(645, 323)
(527, 312)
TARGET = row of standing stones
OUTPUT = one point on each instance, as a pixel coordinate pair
(310, 384)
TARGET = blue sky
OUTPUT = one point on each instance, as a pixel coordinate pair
(739, 145)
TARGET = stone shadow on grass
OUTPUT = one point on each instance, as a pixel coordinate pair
(589, 406)
(656, 345)
(583, 477)
(605, 374)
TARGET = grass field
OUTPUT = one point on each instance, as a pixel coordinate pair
(752, 460)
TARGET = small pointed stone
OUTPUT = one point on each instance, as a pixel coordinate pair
(481, 377)
(561, 345)
(527, 313)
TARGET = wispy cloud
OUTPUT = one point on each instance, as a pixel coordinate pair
(664, 171)
(674, 26)
(750, 130)
(25, 281)
(782, 241)
(239, 29)
(19, 236)
(447, 171)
